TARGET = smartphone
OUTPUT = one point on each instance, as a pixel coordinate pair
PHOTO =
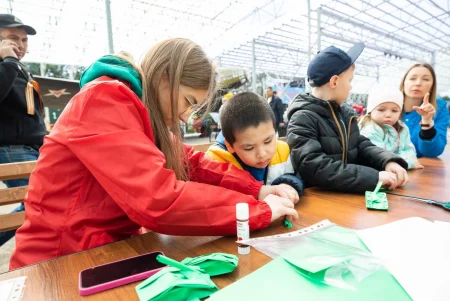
(114, 274)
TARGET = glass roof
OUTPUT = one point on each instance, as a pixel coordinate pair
(396, 32)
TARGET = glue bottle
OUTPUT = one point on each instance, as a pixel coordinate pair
(243, 230)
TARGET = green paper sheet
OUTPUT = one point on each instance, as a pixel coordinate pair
(283, 282)
(288, 281)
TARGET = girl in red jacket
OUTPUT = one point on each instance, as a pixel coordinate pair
(114, 162)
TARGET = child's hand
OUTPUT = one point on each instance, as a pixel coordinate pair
(417, 165)
(389, 179)
(281, 207)
(288, 192)
(402, 175)
(282, 190)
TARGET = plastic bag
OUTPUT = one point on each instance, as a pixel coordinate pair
(329, 254)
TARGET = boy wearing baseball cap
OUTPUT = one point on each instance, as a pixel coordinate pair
(327, 149)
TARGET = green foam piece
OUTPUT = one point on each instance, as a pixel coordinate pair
(287, 224)
(377, 201)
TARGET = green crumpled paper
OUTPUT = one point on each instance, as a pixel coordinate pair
(214, 264)
(187, 280)
(174, 284)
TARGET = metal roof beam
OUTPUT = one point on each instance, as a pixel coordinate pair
(182, 12)
(437, 29)
(282, 43)
(261, 58)
(395, 17)
(249, 63)
(244, 60)
(296, 34)
(262, 52)
(280, 47)
(438, 6)
(370, 46)
(377, 31)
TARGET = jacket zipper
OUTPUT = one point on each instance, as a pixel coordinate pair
(348, 136)
(344, 146)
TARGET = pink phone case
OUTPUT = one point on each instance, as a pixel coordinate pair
(119, 282)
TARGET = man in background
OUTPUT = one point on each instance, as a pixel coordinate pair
(277, 107)
(22, 127)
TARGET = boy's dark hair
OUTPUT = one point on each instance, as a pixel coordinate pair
(242, 111)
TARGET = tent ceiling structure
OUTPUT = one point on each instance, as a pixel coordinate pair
(75, 31)
(396, 32)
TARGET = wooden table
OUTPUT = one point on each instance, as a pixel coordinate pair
(432, 182)
(58, 279)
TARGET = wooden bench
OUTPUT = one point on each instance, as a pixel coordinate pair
(12, 171)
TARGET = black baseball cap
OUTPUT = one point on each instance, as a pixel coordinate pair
(330, 62)
(8, 21)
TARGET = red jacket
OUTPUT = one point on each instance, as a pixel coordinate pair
(100, 178)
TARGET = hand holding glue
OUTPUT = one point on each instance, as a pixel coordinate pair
(280, 207)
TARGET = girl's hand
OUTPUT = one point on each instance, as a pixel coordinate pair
(281, 207)
(282, 190)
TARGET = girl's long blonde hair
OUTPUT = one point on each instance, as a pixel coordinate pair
(366, 119)
(184, 63)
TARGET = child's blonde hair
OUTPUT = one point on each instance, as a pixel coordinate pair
(366, 119)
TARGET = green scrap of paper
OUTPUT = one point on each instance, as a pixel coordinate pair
(287, 224)
(174, 284)
(187, 280)
(214, 264)
(377, 200)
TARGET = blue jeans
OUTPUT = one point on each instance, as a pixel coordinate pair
(12, 154)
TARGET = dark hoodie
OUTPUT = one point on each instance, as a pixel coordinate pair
(328, 151)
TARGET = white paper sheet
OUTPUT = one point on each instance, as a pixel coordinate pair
(414, 250)
(444, 226)
(12, 289)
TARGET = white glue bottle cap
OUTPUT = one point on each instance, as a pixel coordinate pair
(242, 211)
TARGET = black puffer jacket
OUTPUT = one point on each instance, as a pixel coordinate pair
(328, 151)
